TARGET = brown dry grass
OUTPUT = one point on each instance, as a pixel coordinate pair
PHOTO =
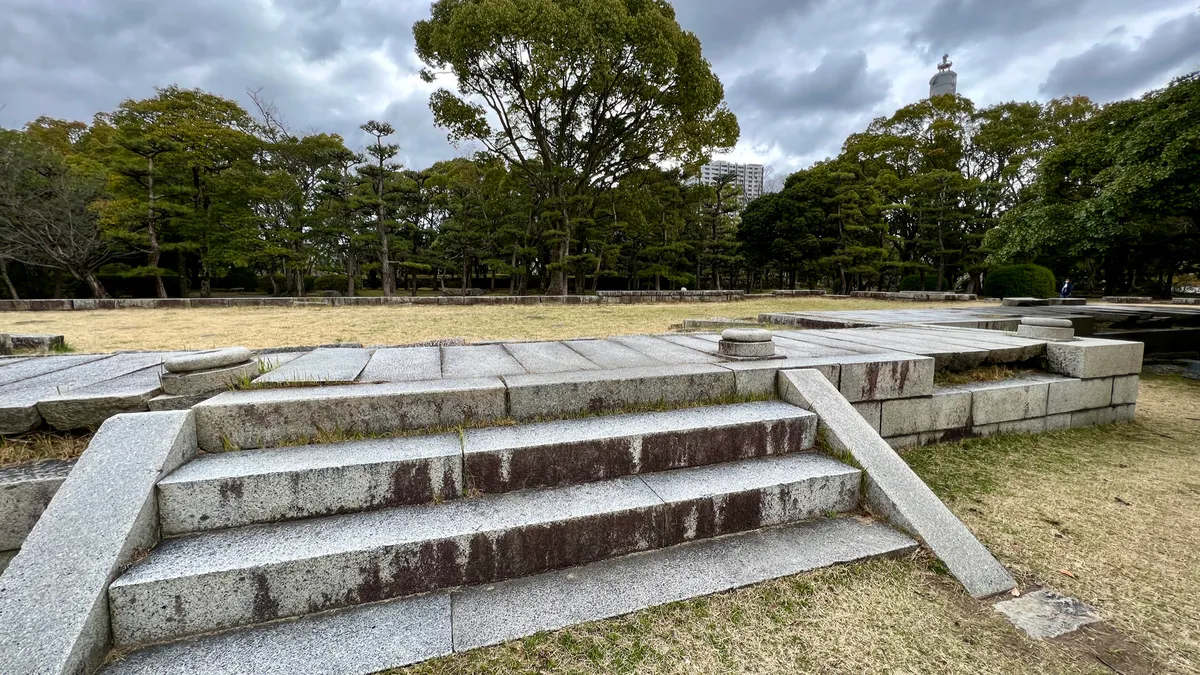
(166, 329)
(37, 446)
(1043, 504)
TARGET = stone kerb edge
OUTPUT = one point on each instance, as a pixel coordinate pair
(54, 594)
(893, 489)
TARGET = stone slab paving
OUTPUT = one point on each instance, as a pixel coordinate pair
(88, 407)
(25, 369)
(548, 357)
(320, 366)
(490, 360)
(611, 355)
(406, 364)
(667, 352)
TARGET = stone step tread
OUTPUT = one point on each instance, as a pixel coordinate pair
(370, 638)
(258, 545)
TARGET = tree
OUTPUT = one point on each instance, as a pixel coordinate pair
(380, 174)
(574, 95)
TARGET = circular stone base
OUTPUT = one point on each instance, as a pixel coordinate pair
(752, 350)
(746, 335)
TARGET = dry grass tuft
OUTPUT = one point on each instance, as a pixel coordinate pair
(993, 373)
(1117, 506)
(38, 446)
(169, 329)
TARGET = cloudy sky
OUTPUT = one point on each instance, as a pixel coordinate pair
(799, 74)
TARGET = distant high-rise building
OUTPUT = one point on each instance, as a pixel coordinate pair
(946, 80)
(749, 177)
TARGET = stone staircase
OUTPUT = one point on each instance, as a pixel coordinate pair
(480, 537)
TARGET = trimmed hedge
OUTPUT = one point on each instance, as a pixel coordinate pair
(1020, 281)
(912, 282)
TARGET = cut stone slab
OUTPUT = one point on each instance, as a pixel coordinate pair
(548, 357)
(1045, 614)
(1089, 358)
(1046, 322)
(747, 350)
(886, 376)
(269, 417)
(1046, 333)
(1071, 395)
(1007, 400)
(165, 402)
(232, 489)
(501, 459)
(664, 351)
(488, 615)
(552, 395)
(403, 364)
(366, 639)
(88, 407)
(53, 596)
(611, 355)
(211, 381)
(41, 343)
(320, 366)
(29, 368)
(892, 489)
(745, 335)
(1125, 389)
(945, 409)
(25, 491)
(475, 361)
(952, 356)
(1002, 348)
(208, 360)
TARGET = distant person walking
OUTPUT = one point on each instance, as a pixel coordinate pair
(1067, 287)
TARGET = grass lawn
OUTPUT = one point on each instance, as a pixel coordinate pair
(165, 329)
(1118, 508)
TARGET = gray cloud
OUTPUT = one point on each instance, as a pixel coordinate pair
(800, 74)
(1112, 70)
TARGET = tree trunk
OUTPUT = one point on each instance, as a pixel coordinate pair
(93, 282)
(12, 290)
(350, 274)
(152, 231)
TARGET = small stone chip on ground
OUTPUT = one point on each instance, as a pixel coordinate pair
(1045, 614)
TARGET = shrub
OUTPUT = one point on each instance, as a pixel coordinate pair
(1020, 281)
(912, 282)
(330, 282)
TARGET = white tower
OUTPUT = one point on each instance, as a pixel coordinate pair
(946, 80)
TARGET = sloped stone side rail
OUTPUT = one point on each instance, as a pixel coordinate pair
(892, 489)
(54, 594)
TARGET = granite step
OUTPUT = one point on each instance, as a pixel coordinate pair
(259, 573)
(232, 489)
(375, 637)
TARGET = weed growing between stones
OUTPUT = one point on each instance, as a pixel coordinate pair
(994, 373)
(40, 445)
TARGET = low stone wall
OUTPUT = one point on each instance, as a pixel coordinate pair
(604, 297)
(806, 292)
(915, 296)
(1128, 300)
(1185, 301)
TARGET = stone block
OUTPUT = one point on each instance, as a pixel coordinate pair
(208, 360)
(1045, 332)
(904, 442)
(563, 394)
(1090, 358)
(166, 402)
(747, 350)
(1093, 418)
(25, 491)
(506, 458)
(40, 343)
(233, 489)
(194, 383)
(871, 411)
(548, 357)
(6, 344)
(1128, 300)
(320, 366)
(877, 377)
(54, 597)
(1058, 422)
(758, 378)
(893, 489)
(1036, 425)
(1070, 395)
(1024, 302)
(1075, 302)
(403, 364)
(269, 417)
(1124, 413)
(1125, 390)
(1007, 401)
(945, 409)
(608, 354)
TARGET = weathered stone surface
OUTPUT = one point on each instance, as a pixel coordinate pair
(1124, 413)
(53, 599)
(232, 489)
(946, 355)
(1067, 301)
(367, 639)
(1044, 614)
(747, 350)
(166, 402)
(1058, 422)
(886, 376)
(559, 394)
(41, 343)
(326, 365)
(1128, 300)
(613, 355)
(758, 377)
(746, 335)
(1102, 416)
(1089, 358)
(666, 352)
(269, 417)
(403, 364)
(548, 357)
(306, 566)
(1043, 332)
(208, 381)
(1046, 322)
(1073, 394)
(25, 491)
(945, 409)
(1125, 390)
(486, 615)
(871, 411)
(893, 489)
(1024, 302)
(1036, 425)
(6, 344)
(475, 361)
(6, 558)
(1007, 400)
(501, 459)
(208, 360)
